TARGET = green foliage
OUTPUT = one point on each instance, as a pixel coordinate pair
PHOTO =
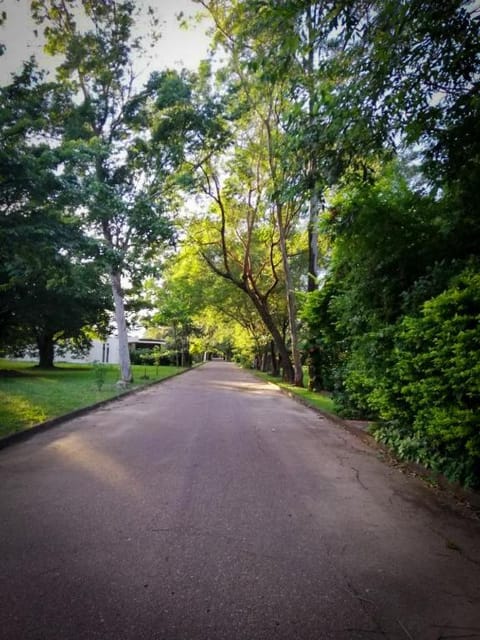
(152, 357)
(317, 400)
(99, 374)
(321, 340)
(50, 289)
(413, 72)
(419, 377)
(123, 144)
(430, 396)
(395, 327)
(385, 235)
(313, 103)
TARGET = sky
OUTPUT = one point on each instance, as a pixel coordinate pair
(176, 47)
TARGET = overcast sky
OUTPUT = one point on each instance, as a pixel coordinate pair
(176, 47)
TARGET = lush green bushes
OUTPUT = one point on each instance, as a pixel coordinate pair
(161, 358)
(322, 342)
(419, 378)
(394, 332)
(429, 397)
(152, 357)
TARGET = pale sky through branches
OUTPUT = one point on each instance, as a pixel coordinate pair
(176, 48)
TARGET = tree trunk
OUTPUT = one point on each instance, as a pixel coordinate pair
(264, 366)
(291, 303)
(310, 65)
(184, 351)
(276, 335)
(123, 352)
(313, 239)
(175, 344)
(296, 374)
(46, 351)
(273, 355)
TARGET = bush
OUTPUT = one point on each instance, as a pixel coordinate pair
(429, 399)
(321, 342)
(149, 357)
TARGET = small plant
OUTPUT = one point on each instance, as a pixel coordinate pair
(157, 355)
(99, 375)
(145, 358)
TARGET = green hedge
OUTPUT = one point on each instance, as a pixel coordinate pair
(429, 397)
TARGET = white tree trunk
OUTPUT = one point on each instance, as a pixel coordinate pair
(123, 351)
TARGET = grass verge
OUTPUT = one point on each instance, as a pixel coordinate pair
(312, 398)
(29, 396)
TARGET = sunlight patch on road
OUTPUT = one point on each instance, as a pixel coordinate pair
(97, 463)
(259, 388)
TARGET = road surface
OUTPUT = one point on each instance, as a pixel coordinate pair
(213, 507)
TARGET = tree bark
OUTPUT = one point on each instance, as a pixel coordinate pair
(276, 335)
(123, 351)
(273, 359)
(291, 303)
(264, 364)
(175, 343)
(313, 239)
(297, 372)
(310, 64)
(46, 351)
(261, 306)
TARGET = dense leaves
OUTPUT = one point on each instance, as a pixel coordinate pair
(50, 290)
(392, 332)
(428, 397)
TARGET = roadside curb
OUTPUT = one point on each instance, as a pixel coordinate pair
(467, 497)
(341, 422)
(40, 427)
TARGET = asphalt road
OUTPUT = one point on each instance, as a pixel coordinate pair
(214, 507)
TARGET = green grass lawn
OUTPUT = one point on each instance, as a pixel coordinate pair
(317, 400)
(29, 396)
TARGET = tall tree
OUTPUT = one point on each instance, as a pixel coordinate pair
(126, 141)
(49, 288)
(244, 236)
(264, 95)
(62, 302)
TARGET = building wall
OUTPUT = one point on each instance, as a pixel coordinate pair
(100, 351)
(106, 352)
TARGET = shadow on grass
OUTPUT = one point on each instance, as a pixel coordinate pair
(30, 395)
(12, 373)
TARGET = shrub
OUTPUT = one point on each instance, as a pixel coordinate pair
(151, 357)
(429, 399)
(99, 374)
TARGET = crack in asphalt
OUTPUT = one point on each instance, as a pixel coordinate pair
(357, 476)
(449, 544)
(352, 591)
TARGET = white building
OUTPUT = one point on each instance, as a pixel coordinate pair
(107, 351)
(104, 351)
(100, 351)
